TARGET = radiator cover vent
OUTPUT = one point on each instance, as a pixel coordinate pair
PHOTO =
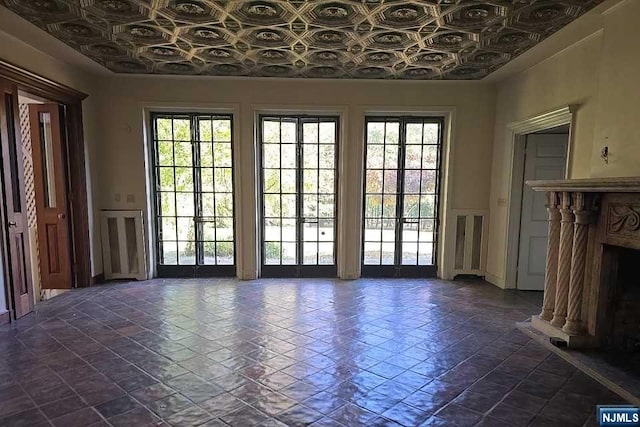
(123, 245)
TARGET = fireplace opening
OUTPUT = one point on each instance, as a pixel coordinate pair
(624, 307)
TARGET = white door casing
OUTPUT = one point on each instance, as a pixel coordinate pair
(545, 159)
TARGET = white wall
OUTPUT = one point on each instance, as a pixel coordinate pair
(599, 74)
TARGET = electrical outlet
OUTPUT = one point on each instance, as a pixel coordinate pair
(131, 198)
(502, 201)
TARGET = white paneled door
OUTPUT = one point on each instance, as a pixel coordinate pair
(546, 156)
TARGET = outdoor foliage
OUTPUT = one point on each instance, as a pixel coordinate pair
(191, 154)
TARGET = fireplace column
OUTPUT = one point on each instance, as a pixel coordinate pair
(551, 272)
(564, 261)
(578, 264)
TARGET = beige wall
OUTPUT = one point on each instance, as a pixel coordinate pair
(617, 123)
(121, 151)
(599, 74)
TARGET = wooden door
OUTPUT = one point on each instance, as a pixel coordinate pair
(17, 256)
(546, 158)
(51, 196)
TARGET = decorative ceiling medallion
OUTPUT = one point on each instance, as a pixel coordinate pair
(545, 18)
(268, 36)
(379, 57)
(274, 55)
(432, 57)
(46, 6)
(164, 52)
(419, 73)
(190, 8)
(546, 14)
(334, 12)
(511, 41)
(258, 13)
(262, 10)
(325, 56)
(206, 34)
(329, 37)
(391, 39)
(143, 32)
(404, 14)
(512, 38)
(450, 39)
(475, 13)
(485, 57)
(115, 6)
(78, 30)
(337, 13)
(218, 53)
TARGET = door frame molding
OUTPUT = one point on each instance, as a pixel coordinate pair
(446, 245)
(341, 112)
(281, 270)
(38, 85)
(154, 267)
(387, 270)
(147, 109)
(519, 130)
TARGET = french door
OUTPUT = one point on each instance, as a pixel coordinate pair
(298, 188)
(401, 192)
(194, 210)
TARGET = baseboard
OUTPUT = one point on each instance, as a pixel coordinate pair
(494, 280)
(5, 318)
(99, 278)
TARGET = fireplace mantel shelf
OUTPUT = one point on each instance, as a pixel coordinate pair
(589, 185)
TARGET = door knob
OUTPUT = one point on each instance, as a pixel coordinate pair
(12, 224)
(61, 216)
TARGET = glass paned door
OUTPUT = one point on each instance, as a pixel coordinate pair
(400, 219)
(298, 195)
(194, 209)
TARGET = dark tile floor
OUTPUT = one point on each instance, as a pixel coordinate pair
(287, 352)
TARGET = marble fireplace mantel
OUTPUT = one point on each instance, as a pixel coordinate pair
(585, 215)
(589, 185)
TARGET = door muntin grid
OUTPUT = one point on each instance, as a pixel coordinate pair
(401, 192)
(194, 207)
(299, 182)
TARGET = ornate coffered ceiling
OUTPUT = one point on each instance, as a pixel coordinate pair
(417, 39)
